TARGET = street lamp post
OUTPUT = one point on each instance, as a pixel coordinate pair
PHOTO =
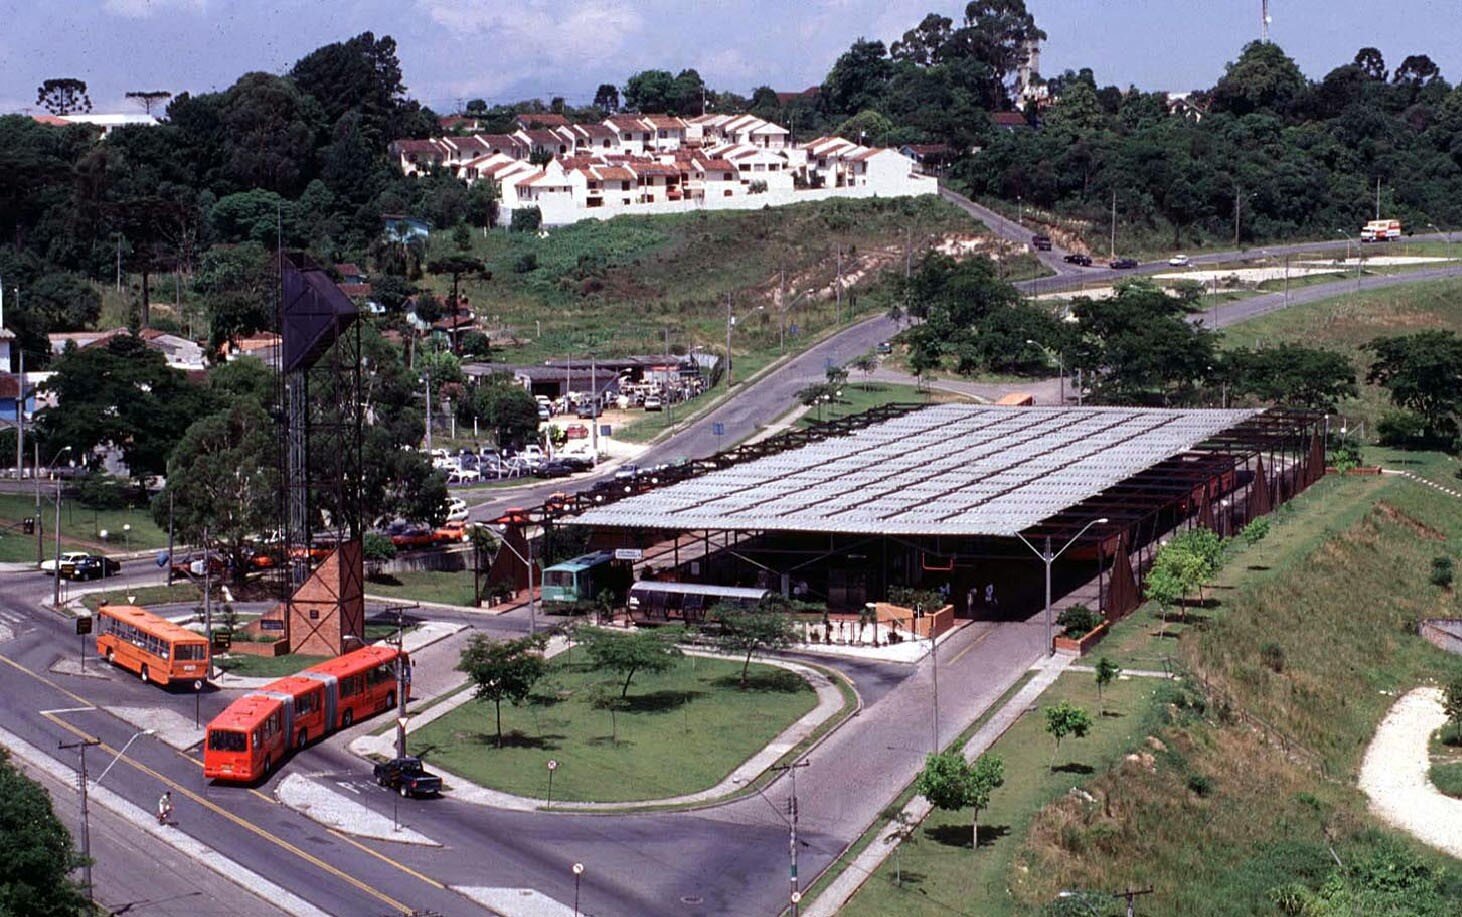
(1060, 366)
(532, 601)
(578, 876)
(1049, 558)
(82, 746)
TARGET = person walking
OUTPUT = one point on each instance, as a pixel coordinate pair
(165, 807)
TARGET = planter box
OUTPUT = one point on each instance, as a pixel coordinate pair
(1368, 470)
(1078, 646)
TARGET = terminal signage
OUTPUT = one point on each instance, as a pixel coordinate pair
(628, 554)
(271, 624)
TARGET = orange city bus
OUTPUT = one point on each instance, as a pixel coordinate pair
(155, 648)
(253, 733)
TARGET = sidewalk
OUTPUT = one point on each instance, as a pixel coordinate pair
(865, 864)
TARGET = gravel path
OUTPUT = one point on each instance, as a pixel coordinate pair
(1394, 773)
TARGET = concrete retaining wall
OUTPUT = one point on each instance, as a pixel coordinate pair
(1443, 633)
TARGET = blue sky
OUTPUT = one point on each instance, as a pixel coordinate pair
(502, 50)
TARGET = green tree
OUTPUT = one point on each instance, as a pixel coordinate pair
(750, 632)
(505, 408)
(63, 96)
(223, 477)
(606, 98)
(1264, 78)
(1292, 375)
(503, 670)
(360, 75)
(1452, 706)
(122, 395)
(1255, 531)
(1066, 719)
(652, 651)
(951, 783)
(867, 364)
(858, 80)
(1106, 673)
(1423, 373)
(38, 852)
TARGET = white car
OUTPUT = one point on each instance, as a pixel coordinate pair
(456, 510)
(65, 561)
(653, 403)
(1179, 261)
(464, 476)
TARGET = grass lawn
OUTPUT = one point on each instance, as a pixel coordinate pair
(80, 527)
(859, 397)
(941, 874)
(267, 666)
(618, 285)
(449, 587)
(682, 732)
(146, 596)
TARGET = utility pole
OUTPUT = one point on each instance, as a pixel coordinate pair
(730, 320)
(782, 312)
(207, 600)
(401, 682)
(1378, 197)
(427, 382)
(83, 745)
(20, 410)
(594, 402)
(840, 284)
(170, 539)
(1114, 223)
(1238, 203)
(56, 580)
(796, 892)
(36, 445)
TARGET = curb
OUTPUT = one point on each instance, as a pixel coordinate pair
(193, 849)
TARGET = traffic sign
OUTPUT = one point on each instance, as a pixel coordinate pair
(83, 625)
(719, 429)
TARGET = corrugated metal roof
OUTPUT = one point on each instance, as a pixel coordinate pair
(953, 469)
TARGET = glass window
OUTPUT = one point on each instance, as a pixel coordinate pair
(226, 740)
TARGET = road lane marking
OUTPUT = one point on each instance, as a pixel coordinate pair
(385, 859)
(978, 640)
(66, 710)
(209, 804)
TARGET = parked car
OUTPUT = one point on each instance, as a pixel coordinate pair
(543, 412)
(407, 535)
(587, 410)
(653, 403)
(554, 468)
(91, 566)
(1041, 243)
(464, 476)
(456, 509)
(885, 348)
(1122, 264)
(192, 563)
(1078, 259)
(1179, 261)
(452, 532)
(579, 461)
(66, 560)
(626, 472)
(408, 777)
(576, 431)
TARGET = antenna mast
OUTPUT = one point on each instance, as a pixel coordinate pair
(1264, 21)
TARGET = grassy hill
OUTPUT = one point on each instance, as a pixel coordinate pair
(622, 284)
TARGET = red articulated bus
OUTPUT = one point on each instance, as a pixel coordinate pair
(255, 732)
(155, 648)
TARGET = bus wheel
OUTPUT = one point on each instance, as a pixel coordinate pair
(144, 673)
(391, 701)
(304, 738)
(111, 657)
(268, 765)
(346, 719)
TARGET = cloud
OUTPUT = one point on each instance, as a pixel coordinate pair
(540, 33)
(145, 9)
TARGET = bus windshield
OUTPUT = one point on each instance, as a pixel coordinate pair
(561, 578)
(226, 740)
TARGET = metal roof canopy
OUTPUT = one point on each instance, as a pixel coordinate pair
(953, 469)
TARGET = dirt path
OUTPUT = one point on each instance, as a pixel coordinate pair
(1394, 773)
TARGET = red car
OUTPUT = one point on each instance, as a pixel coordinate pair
(412, 536)
(451, 533)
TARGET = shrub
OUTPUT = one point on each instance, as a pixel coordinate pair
(1401, 428)
(1442, 572)
(101, 491)
(1200, 785)
(527, 262)
(526, 219)
(377, 547)
(1078, 621)
(1272, 655)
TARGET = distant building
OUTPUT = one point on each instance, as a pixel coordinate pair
(401, 228)
(632, 163)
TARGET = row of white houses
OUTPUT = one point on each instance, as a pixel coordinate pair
(662, 164)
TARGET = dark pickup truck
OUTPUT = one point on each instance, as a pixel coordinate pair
(407, 777)
(1041, 243)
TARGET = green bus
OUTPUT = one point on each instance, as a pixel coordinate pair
(582, 578)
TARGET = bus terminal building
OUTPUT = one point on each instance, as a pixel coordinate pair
(959, 498)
